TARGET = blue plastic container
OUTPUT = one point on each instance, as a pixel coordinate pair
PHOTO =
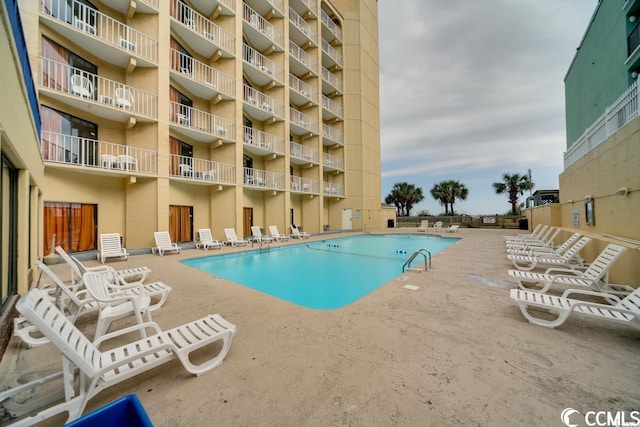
(124, 412)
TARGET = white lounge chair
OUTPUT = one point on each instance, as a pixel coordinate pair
(115, 303)
(164, 243)
(207, 241)
(232, 238)
(593, 278)
(110, 247)
(438, 225)
(534, 233)
(297, 234)
(258, 236)
(535, 250)
(570, 259)
(620, 310)
(453, 228)
(547, 240)
(424, 225)
(275, 234)
(93, 370)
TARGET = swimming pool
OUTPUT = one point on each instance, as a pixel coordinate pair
(324, 274)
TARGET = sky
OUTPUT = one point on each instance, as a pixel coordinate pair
(470, 90)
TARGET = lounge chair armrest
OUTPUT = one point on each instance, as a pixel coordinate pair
(127, 330)
(556, 270)
(608, 297)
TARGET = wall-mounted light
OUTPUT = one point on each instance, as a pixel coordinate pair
(634, 74)
(632, 18)
(569, 201)
(587, 198)
(622, 191)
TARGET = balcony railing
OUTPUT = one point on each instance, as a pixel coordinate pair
(102, 27)
(306, 90)
(263, 179)
(310, 5)
(331, 134)
(203, 27)
(303, 26)
(332, 106)
(303, 57)
(615, 117)
(262, 25)
(331, 189)
(265, 141)
(74, 81)
(202, 73)
(304, 121)
(633, 40)
(332, 53)
(202, 121)
(201, 169)
(262, 63)
(332, 79)
(331, 26)
(74, 150)
(332, 162)
(304, 185)
(263, 102)
(303, 152)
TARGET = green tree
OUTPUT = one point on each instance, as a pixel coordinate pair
(457, 191)
(446, 192)
(440, 192)
(404, 196)
(513, 185)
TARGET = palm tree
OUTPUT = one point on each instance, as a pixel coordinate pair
(403, 196)
(440, 192)
(458, 191)
(446, 192)
(514, 186)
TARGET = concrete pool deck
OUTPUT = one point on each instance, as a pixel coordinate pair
(455, 351)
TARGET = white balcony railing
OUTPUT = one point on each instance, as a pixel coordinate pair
(332, 134)
(74, 81)
(332, 52)
(262, 25)
(332, 106)
(311, 5)
(184, 115)
(74, 150)
(331, 161)
(260, 100)
(302, 25)
(262, 63)
(102, 26)
(304, 185)
(303, 88)
(203, 26)
(201, 169)
(331, 26)
(202, 73)
(303, 57)
(260, 139)
(303, 152)
(302, 120)
(617, 115)
(332, 79)
(264, 179)
(331, 189)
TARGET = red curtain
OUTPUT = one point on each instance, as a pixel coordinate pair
(60, 218)
(55, 71)
(180, 223)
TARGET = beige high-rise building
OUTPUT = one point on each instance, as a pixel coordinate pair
(186, 114)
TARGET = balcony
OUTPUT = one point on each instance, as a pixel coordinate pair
(331, 84)
(301, 63)
(260, 33)
(333, 190)
(331, 57)
(141, 6)
(202, 35)
(331, 163)
(215, 8)
(261, 106)
(260, 69)
(201, 79)
(305, 8)
(331, 110)
(302, 124)
(303, 155)
(301, 93)
(304, 185)
(201, 171)
(103, 97)
(102, 157)
(96, 32)
(271, 8)
(331, 137)
(263, 180)
(200, 125)
(300, 31)
(330, 30)
(262, 143)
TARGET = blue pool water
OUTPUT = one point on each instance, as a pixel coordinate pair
(324, 274)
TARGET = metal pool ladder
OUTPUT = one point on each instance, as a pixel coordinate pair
(427, 260)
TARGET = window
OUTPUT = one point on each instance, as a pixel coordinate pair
(181, 107)
(8, 229)
(68, 139)
(73, 224)
(181, 158)
(180, 223)
(181, 59)
(65, 71)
